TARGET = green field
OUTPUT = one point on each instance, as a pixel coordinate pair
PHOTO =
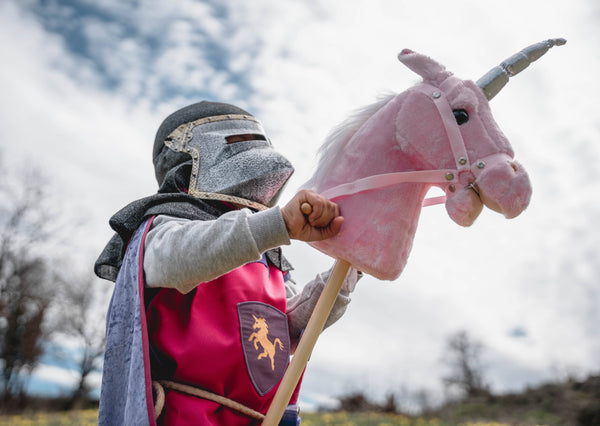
(84, 417)
(90, 417)
(377, 419)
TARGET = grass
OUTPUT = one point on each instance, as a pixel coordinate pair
(379, 419)
(361, 419)
(68, 418)
(90, 417)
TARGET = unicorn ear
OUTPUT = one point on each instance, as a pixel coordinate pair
(422, 65)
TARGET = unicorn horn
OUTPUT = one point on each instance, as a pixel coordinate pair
(495, 79)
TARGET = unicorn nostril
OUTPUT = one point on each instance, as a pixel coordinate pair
(514, 167)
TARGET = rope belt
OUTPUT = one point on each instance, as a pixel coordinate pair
(159, 386)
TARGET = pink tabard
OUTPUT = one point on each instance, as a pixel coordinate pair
(229, 336)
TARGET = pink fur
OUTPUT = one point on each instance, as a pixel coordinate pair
(464, 206)
(405, 133)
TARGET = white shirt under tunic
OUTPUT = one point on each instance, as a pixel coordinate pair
(181, 253)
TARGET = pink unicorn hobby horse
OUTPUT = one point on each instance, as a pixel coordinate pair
(439, 133)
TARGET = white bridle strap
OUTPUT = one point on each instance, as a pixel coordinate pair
(448, 176)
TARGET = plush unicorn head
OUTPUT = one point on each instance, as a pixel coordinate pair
(380, 163)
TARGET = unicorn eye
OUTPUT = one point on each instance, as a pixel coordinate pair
(461, 116)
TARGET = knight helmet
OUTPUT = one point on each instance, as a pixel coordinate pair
(228, 150)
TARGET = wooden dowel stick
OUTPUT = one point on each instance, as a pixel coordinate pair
(306, 208)
(307, 342)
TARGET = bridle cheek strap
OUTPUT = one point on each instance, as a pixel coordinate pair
(440, 177)
(457, 144)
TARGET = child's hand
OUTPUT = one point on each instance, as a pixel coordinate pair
(324, 221)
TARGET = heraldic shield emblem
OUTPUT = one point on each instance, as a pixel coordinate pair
(266, 343)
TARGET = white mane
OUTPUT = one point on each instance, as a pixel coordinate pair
(338, 137)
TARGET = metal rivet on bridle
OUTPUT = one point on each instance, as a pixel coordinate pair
(449, 176)
(451, 188)
(436, 95)
(481, 164)
(462, 161)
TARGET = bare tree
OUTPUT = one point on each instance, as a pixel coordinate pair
(80, 317)
(42, 301)
(463, 356)
(25, 277)
(424, 401)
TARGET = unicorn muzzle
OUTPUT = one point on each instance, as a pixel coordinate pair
(497, 181)
(503, 186)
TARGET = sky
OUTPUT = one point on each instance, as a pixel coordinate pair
(85, 85)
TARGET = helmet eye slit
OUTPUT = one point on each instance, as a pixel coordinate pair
(245, 137)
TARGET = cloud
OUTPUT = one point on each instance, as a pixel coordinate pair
(89, 83)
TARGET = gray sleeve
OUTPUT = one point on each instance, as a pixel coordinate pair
(301, 305)
(181, 253)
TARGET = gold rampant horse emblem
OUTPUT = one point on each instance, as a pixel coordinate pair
(261, 336)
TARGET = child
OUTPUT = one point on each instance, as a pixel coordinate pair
(203, 302)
